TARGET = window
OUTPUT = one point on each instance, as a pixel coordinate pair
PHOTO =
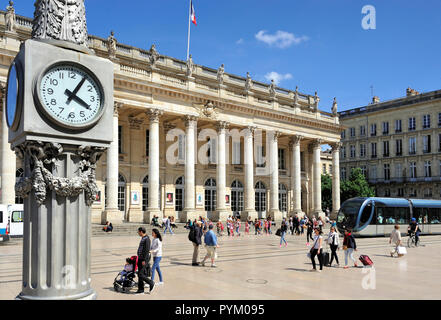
(236, 196)
(426, 144)
(439, 119)
(120, 139)
(352, 151)
(362, 131)
(236, 153)
(283, 198)
(426, 121)
(343, 152)
(147, 143)
(373, 150)
(352, 131)
(121, 193)
(387, 192)
(412, 124)
(364, 171)
(211, 152)
(210, 195)
(324, 169)
(366, 214)
(397, 126)
(260, 157)
(343, 174)
(386, 168)
(373, 129)
(330, 168)
(17, 216)
(413, 170)
(385, 127)
(282, 162)
(181, 148)
(260, 197)
(362, 150)
(427, 169)
(1, 216)
(398, 170)
(412, 145)
(373, 172)
(385, 148)
(343, 134)
(428, 193)
(179, 194)
(412, 192)
(400, 192)
(399, 147)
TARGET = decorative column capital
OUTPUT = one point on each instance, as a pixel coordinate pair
(117, 106)
(221, 125)
(154, 114)
(251, 130)
(295, 140)
(317, 143)
(189, 120)
(276, 135)
(336, 146)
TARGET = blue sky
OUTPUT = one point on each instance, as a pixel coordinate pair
(325, 49)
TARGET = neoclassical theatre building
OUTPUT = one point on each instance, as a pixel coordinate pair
(194, 141)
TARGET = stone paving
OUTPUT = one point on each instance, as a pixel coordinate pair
(254, 267)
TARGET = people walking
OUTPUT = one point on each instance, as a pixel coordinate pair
(333, 241)
(296, 223)
(257, 227)
(247, 227)
(238, 225)
(309, 229)
(317, 250)
(284, 229)
(156, 251)
(291, 225)
(195, 236)
(211, 246)
(144, 270)
(270, 221)
(349, 246)
(302, 225)
(167, 224)
(320, 223)
(395, 239)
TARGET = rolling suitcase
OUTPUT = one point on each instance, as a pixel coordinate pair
(365, 260)
(326, 259)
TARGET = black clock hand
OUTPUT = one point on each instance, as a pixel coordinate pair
(77, 99)
(74, 93)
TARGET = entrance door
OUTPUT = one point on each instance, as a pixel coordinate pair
(210, 197)
(237, 198)
(179, 196)
(260, 200)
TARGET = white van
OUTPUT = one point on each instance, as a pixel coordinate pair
(4, 223)
(16, 220)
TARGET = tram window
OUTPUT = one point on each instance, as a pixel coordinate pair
(366, 214)
(380, 215)
(389, 215)
(434, 216)
(402, 215)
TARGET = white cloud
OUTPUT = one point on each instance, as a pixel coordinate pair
(277, 77)
(280, 39)
(240, 41)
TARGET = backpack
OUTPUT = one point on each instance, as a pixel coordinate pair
(192, 235)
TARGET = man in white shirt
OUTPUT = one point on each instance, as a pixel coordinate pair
(395, 238)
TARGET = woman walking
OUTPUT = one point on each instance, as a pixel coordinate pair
(310, 227)
(156, 251)
(238, 224)
(247, 227)
(317, 250)
(284, 229)
(349, 246)
(333, 241)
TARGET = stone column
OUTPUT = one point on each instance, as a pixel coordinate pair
(189, 205)
(8, 160)
(317, 179)
(153, 205)
(221, 208)
(335, 179)
(297, 176)
(111, 213)
(250, 210)
(273, 138)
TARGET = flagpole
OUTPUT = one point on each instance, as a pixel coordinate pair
(189, 26)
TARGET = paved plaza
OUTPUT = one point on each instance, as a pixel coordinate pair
(254, 267)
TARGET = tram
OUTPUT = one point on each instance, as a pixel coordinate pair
(371, 217)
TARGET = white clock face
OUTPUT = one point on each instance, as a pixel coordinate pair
(71, 96)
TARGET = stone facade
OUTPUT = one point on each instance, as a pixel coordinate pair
(195, 138)
(397, 144)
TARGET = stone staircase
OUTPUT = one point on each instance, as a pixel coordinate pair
(131, 229)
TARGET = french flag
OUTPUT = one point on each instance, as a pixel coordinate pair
(193, 15)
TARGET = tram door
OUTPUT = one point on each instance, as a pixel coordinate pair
(380, 218)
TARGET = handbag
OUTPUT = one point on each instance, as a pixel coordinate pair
(310, 250)
(279, 232)
(401, 250)
(345, 247)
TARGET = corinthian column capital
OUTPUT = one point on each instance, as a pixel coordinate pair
(317, 143)
(295, 140)
(221, 125)
(154, 114)
(189, 120)
(336, 146)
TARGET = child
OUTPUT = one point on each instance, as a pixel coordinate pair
(266, 227)
(128, 267)
(247, 227)
(232, 228)
(238, 227)
(220, 228)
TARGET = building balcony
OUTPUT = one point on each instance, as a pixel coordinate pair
(411, 153)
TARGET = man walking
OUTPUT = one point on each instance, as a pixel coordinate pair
(144, 262)
(195, 236)
(168, 226)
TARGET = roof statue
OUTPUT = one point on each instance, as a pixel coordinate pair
(334, 107)
(63, 20)
(10, 17)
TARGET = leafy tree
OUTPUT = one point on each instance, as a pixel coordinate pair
(356, 186)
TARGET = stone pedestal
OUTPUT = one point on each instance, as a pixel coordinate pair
(149, 214)
(251, 214)
(188, 215)
(276, 215)
(57, 227)
(112, 215)
(135, 215)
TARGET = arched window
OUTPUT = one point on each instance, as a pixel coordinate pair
(236, 196)
(210, 195)
(260, 199)
(283, 198)
(121, 193)
(179, 194)
(19, 174)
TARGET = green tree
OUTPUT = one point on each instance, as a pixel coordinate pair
(326, 192)
(356, 186)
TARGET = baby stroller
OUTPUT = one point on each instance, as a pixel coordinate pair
(121, 285)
